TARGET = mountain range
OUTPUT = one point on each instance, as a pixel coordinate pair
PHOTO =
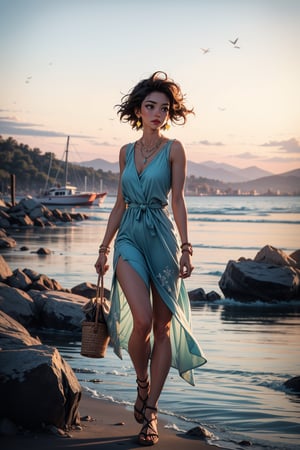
(209, 169)
(248, 179)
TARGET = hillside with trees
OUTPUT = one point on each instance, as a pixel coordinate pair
(35, 171)
(31, 168)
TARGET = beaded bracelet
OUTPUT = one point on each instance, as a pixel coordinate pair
(104, 249)
(189, 248)
(186, 243)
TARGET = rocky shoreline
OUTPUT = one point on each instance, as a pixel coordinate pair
(37, 387)
(30, 213)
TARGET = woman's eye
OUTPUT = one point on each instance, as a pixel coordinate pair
(149, 106)
(165, 109)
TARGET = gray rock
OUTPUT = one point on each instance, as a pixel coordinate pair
(5, 240)
(212, 296)
(5, 270)
(274, 256)
(44, 251)
(37, 387)
(293, 384)
(19, 280)
(197, 295)
(7, 427)
(250, 280)
(59, 310)
(13, 335)
(88, 290)
(43, 283)
(200, 432)
(18, 304)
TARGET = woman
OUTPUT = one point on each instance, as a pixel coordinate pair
(150, 311)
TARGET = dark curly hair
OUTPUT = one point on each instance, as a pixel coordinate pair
(158, 82)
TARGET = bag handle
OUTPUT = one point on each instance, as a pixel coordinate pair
(99, 294)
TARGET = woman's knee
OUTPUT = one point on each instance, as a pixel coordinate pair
(161, 330)
(142, 326)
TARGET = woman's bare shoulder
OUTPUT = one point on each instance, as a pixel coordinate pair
(122, 152)
(176, 143)
(177, 149)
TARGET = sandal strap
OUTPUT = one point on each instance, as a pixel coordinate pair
(148, 422)
(144, 382)
(148, 426)
(148, 430)
(139, 386)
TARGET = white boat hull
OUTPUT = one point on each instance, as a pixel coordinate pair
(69, 196)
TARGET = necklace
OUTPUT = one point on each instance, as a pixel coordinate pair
(148, 152)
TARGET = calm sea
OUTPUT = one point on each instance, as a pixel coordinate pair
(251, 348)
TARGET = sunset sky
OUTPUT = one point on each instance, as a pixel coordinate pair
(66, 63)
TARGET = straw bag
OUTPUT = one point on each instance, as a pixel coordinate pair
(95, 337)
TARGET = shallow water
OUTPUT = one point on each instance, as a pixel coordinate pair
(251, 348)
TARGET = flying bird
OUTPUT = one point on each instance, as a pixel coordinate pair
(234, 43)
(205, 50)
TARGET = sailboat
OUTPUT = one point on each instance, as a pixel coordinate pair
(68, 195)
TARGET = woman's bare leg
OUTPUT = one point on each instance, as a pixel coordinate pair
(160, 365)
(161, 353)
(138, 298)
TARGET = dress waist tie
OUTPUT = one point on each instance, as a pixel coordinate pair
(145, 209)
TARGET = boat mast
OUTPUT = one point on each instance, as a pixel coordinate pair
(66, 163)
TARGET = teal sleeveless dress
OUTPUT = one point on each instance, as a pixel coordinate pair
(147, 240)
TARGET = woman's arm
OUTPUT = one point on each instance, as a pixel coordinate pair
(178, 164)
(114, 221)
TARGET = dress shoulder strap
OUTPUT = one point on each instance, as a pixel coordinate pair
(168, 146)
(129, 150)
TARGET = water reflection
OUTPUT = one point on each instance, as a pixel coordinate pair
(261, 313)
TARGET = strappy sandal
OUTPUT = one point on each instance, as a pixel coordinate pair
(139, 413)
(148, 435)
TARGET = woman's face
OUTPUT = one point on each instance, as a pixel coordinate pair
(155, 110)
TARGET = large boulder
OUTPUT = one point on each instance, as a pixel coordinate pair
(271, 255)
(271, 276)
(88, 290)
(59, 310)
(13, 335)
(5, 270)
(18, 304)
(37, 387)
(293, 384)
(5, 240)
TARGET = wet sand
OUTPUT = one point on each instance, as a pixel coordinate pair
(113, 427)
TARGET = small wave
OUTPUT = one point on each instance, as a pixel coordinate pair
(173, 426)
(97, 219)
(227, 247)
(215, 273)
(82, 370)
(116, 373)
(220, 212)
(257, 304)
(223, 220)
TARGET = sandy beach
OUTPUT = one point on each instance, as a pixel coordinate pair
(113, 427)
